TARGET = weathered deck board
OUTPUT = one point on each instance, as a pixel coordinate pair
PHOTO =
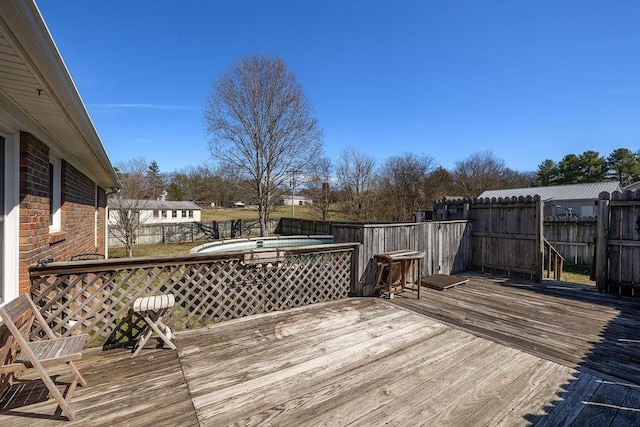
(565, 323)
(373, 361)
(148, 390)
(410, 371)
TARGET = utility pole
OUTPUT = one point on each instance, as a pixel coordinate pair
(293, 190)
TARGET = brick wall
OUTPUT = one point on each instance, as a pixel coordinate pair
(77, 203)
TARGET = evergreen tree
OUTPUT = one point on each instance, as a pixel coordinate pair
(593, 167)
(155, 184)
(547, 173)
(570, 170)
(623, 165)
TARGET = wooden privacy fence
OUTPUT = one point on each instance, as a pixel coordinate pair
(446, 245)
(617, 265)
(507, 234)
(96, 297)
(573, 237)
(306, 227)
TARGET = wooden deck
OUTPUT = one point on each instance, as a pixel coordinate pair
(567, 323)
(374, 362)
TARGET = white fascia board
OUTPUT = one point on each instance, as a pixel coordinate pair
(11, 252)
(25, 24)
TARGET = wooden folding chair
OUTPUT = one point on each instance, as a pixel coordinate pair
(18, 316)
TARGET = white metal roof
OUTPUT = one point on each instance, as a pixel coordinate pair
(559, 192)
(38, 95)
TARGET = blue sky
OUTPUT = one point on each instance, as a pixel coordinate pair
(528, 80)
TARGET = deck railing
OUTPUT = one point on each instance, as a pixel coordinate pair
(553, 261)
(96, 297)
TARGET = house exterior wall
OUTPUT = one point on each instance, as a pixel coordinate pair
(632, 187)
(147, 216)
(297, 201)
(82, 211)
(584, 207)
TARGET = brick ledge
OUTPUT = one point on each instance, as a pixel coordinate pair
(57, 237)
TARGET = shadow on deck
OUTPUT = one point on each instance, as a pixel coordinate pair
(492, 352)
(574, 325)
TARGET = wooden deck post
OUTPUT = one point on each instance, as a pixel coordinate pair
(539, 220)
(357, 270)
(602, 235)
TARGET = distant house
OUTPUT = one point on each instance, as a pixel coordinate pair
(563, 200)
(633, 186)
(155, 211)
(238, 205)
(54, 172)
(296, 200)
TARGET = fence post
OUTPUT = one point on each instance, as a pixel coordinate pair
(465, 211)
(602, 235)
(539, 219)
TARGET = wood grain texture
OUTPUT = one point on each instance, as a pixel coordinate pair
(370, 361)
(566, 323)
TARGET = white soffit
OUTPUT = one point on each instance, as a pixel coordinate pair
(34, 78)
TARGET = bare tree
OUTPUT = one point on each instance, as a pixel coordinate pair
(125, 206)
(483, 171)
(436, 185)
(356, 178)
(319, 186)
(401, 177)
(262, 127)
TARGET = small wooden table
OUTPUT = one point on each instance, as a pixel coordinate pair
(153, 309)
(398, 265)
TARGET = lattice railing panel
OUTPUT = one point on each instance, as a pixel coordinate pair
(96, 297)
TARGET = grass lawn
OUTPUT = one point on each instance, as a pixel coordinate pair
(575, 274)
(158, 249)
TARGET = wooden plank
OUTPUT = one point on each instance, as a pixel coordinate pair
(603, 405)
(628, 410)
(408, 405)
(210, 405)
(512, 397)
(202, 387)
(504, 391)
(626, 243)
(505, 268)
(320, 394)
(506, 236)
(418, 372)
(442, 281)
(237, 368)
(326, 399)
(563, 322)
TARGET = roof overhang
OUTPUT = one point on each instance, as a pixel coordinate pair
(38, 95)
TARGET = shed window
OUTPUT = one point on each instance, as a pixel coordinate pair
(174, 214)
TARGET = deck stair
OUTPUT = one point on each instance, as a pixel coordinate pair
(553, 260)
